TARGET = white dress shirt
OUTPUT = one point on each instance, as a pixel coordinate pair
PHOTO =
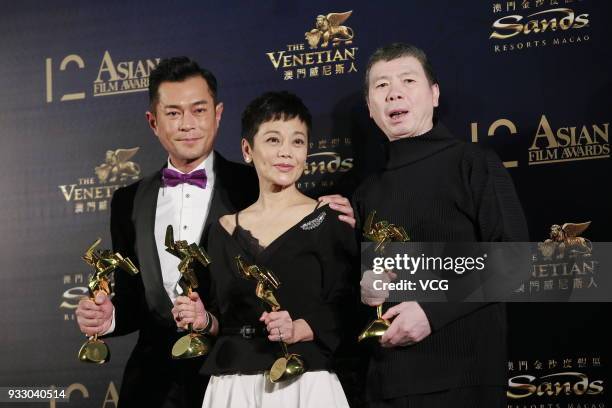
(186, 208)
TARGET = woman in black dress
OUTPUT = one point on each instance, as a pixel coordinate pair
(304, 244)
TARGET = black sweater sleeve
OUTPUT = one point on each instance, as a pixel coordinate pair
(498, 214)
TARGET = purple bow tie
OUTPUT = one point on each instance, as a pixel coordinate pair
(172, 178)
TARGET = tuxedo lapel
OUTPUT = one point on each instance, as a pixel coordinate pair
(220, 203)
(145, 205)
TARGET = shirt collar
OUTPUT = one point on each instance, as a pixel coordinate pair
(207, 165)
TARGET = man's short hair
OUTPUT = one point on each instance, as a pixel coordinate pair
(272, 106)
(399, 50)
(178, 69)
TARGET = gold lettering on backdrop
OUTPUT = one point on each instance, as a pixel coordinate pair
(72, 193)
(77, 387)
(80, 64)
(91, 194)
(510, 26)
(328, 51)
(122, 77)
(602, 133)
(564, 261)
(124, 69)
(112, 396)
(112, 78)
(569, 143)
(544, 131)
(506, 123)
(72, 59)
(106, 65)
(327, 162)
(311, 58)
(554, 270)
(72, 296)
(569, 26)
(553, 385)
(501, 122)
(49, 79)
(550, 145)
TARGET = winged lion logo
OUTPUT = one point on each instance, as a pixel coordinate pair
(329, 28)
(118, 167)
(566, 238)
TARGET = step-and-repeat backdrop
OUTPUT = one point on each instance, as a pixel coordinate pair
(528, 78)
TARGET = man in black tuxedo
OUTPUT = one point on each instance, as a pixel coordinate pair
(192, 191)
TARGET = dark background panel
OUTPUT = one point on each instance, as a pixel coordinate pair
(52, 145)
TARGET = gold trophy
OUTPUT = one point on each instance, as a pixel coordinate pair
(193, 344)
(290, 365)
(382, 233)
(104, 263)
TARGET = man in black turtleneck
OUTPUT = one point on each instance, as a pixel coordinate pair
(440, 189)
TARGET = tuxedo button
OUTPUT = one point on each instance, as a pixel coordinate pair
(184, 227)
(187, 195)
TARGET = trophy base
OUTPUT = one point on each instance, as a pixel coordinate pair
(94, 351)
(375, 330)
(286, 368)
(190, 346)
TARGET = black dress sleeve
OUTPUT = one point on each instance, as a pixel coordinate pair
(338, 252)
(129, 300)
(207, 286)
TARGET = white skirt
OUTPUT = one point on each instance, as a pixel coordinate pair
(311, 389)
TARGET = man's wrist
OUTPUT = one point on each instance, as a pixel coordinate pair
(207, 325)
(111, 325)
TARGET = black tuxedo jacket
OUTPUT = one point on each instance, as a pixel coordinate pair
(152, 378)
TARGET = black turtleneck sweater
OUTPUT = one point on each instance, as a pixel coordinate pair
(441, 189)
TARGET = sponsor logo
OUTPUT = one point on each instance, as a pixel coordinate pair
(75, 288)
(565, 241)
(324, 166)
(530, 25)
(563, 263)
(92, 194)
(569, 382)
(328, 50)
